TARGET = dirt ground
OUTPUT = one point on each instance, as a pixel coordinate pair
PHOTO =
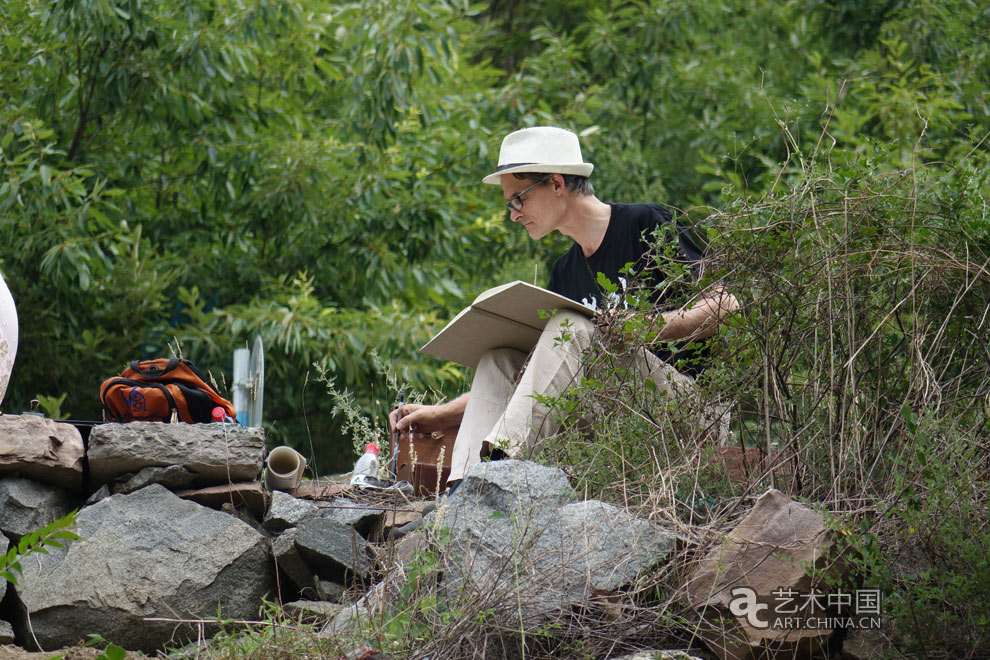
(10, 652)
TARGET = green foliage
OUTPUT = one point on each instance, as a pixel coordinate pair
(53, 535)
(310, 171)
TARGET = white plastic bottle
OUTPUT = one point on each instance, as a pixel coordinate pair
(367, 465)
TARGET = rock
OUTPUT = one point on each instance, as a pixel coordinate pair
(307, 490)
(6, 633)
(27, 505)
(346, 619)
(216, 453)
(330, 591)
(144, 555)
(173, 477)
(769, 551)
(517, 539)
(308, 610)
(333, 549)
(4, 546)
(287, 511)
(290, 561)
(408, 545)
(102, 492)
(41, 449)
(362, 517)
(246, 494)
(404, 515)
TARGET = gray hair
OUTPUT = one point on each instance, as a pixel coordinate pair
(578, 185)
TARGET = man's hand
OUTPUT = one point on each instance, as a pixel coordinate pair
(612, 323)
(420, 421)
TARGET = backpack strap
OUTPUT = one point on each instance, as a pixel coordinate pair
(152, 371)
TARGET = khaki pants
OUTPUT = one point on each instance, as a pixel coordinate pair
(503, 411)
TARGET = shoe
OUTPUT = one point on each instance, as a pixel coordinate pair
(399, 532)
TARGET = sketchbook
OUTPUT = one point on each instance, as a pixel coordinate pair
(507, 316)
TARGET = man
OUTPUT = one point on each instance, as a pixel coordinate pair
(545, 183)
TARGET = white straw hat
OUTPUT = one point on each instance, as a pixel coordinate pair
(541, 149)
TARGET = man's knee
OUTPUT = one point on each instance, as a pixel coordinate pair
(506, 361)
(567, 327)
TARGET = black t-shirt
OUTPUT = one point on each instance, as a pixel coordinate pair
(632, 229)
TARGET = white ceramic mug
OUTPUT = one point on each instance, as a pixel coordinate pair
(284, 468)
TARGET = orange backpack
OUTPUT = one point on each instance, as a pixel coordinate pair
(152, 390)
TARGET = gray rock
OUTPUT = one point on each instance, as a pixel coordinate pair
(313, 609)
(173, 477)
(517, 540)
(330, 591)
(333, 549)
(41, 449)
(287, 511)
(4, 546)
(6, 633)
(26, 505)
(346, 619)
(288, 559)
(361, 517)
(216, 453)
(102, 492)
(144, 555)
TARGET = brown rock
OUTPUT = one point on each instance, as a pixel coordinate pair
(248, 494)
(41, 449)
(406, 513)
(739, 588)
(309, 492)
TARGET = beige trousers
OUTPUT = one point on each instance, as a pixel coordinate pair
(503, 409)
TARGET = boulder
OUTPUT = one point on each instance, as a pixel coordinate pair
(41, 449)
(27, 505)
(145, 555)
(517, 539)
(334, 550)
(216, 453)
(739, 588)
(6, 633)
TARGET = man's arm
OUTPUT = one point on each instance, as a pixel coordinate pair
(695, 322)
(424, 420)
(700, 320)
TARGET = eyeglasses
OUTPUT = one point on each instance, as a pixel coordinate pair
(515, 203)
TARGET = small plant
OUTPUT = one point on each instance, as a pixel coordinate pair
(52, 406)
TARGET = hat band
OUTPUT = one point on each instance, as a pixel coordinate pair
(511, 165)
